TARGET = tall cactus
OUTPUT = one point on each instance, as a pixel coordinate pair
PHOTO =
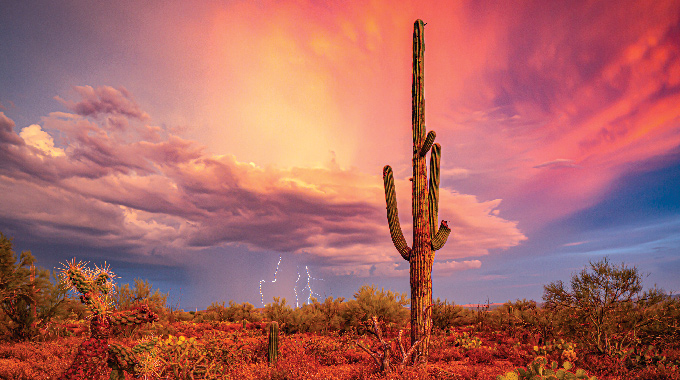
(273, 349)
(427, 238)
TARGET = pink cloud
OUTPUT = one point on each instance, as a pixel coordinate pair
(112, 187)
(7, 135)
(104, 100)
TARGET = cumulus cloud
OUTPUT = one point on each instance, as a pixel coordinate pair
(141, 188)
(34, 136)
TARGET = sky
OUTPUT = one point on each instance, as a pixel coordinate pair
(233, 150)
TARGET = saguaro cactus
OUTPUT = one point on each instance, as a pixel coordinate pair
(427, 238)
(273, 349)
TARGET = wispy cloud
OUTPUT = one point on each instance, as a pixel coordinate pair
(558, 163)
(446, 268)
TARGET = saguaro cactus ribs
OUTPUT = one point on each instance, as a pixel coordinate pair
(427, 238)
(273, 347)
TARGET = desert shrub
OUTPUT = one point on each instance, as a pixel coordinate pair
(331, 310)
(389, 307)
(480, 355)
(181, 315)
(523, 319)
(307, 318)
(232, 313)
(278, 311)
(28, 299)
(142, 292)
(445, 315)
(606, 308)
(657, 373)
(325, 350)
(217, 312)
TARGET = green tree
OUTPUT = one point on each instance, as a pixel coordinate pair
(604, 306)
(28, 299)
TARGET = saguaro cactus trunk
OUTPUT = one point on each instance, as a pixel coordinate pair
(273, 348)
(427, 238)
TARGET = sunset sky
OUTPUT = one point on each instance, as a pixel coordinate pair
(198, 144)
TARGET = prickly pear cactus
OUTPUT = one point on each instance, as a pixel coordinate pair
(537, 370)
(94, 354)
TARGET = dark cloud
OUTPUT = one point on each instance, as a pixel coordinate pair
(7, 134)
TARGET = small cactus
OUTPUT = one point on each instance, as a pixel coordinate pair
(96, 289)
(126, 359)
(273, 350)
(537, 371)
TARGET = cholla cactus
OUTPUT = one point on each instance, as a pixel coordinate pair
(95, 286)
(96, 290)
(138, 360)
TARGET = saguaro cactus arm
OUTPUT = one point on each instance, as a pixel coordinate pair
(428, 143)
(441, 234)
(393, 214)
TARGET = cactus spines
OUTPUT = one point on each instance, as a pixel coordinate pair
(273, 348)
(427, 237)
(126, 359)
(428, 143)
(96, 288)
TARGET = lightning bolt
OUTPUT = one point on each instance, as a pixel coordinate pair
(261, 281)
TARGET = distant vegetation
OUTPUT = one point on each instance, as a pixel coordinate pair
(601, 323)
